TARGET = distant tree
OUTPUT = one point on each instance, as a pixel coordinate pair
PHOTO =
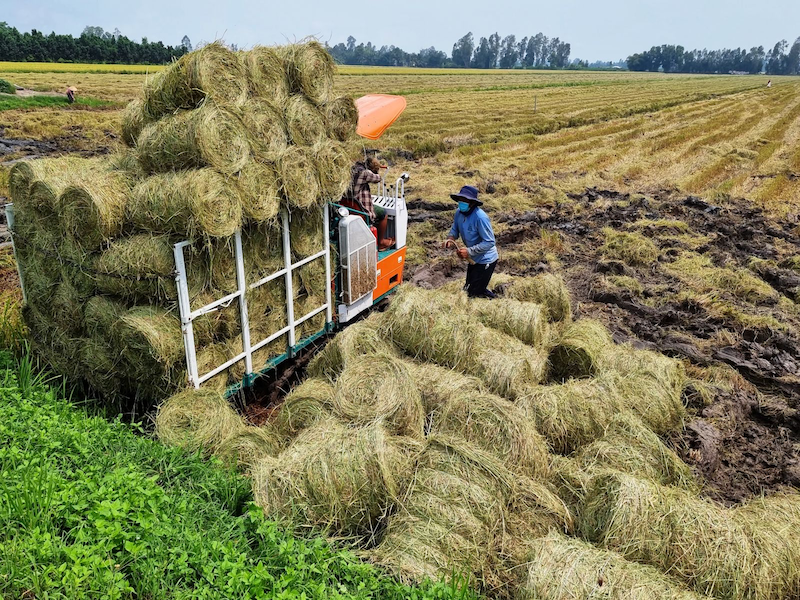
(462, 51)
(793, 59)
(93, 31)
(508, 52)
(186, 43)
(351, 43)
(482, 55)
(494, 49)
(777, 61)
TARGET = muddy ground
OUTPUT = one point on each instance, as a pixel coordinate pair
(745, 438)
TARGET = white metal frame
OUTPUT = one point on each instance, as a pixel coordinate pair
(10, 220)
(188, 315)
(357, 252)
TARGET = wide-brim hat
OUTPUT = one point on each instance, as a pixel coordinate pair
(468, 193)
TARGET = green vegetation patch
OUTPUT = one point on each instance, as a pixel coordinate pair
(6, 87)
(90, 509)
(17, 102)
(631, 248)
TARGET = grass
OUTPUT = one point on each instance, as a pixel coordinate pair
(41, 67)
(16, 103)
(90, 509)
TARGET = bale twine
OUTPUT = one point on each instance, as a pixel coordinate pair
(266, 128)
(341, 117)
(248, 446)
(93, 210)
(309, 70)
(576, 352)
(261, 192)
(424, 325)
(546, 289)
(496, 426)
(380, 387)
(560, 567)
(629, 446)
(298, 177)
(576, 413)
(189, 203)
(337, 478)
(209, 136)
(305, 406)
(304, 122)
(210, 72)
(353, 344)
(332, 165)
(134, 120)
(197, 420)
(266, 73)
(695, 540)
(523, 320)
(650, 375)
(142, 268)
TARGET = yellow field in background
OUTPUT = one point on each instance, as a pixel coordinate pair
(37, 67)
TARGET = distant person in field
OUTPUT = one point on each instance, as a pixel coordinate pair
(472, 225)
(769, 83)
(362, 174)
(71, 94)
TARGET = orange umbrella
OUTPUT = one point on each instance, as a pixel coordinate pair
(376, 112)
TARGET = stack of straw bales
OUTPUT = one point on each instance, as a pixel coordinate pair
(218, 141)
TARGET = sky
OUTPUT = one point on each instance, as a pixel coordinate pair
(605, 29)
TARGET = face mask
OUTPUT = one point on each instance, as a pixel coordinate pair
(463, 206)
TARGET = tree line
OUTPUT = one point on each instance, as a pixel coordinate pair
(94, 45)
(537, 51)
(781, 60)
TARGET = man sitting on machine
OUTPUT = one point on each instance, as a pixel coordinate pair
(359, 197)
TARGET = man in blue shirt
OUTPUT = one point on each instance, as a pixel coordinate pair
(473, 226)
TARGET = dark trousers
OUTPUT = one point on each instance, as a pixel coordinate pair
(478, 277)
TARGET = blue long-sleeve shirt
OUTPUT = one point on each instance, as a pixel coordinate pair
(475, 230)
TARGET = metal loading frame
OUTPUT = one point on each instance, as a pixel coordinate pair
(188, 315)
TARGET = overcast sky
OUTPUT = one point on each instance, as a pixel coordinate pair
(604, 29)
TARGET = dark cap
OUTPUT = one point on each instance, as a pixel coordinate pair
(468, 193)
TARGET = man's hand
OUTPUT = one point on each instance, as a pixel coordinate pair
(463, 253)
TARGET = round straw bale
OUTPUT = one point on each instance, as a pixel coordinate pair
(304, 122)
(424, 324)
(142, 267)
(341, 117)
(306, 233)
(93, 210)
(53, 175)
(261, 197)
(309, 70)
(262, 250)
(266, 128)
(213, 72)
(380, 387)
(523, 320)
(249, 445)
(209, 358)
(651, 384)
(99, 315)
(188, 203)
(134, 120)
(498, 427)
(208, 136)
(354, 343)
(333, 169)
(41, 276)
(66, 307)
(546, 289)
(570, 481)
(576, 352)
(100, 368)
(306, 405)
(562, 567)
(197, 420)
(266, 73)
(629, 446)
(298, 177)
(336, 478)
(695, 540)
(439, 385)
(773, 524)
(19, 180)
(55, 346)
(150, 341)
(575, 413)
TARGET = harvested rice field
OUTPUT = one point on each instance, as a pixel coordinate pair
(621, 422)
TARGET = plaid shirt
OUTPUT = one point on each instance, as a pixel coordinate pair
(360, 178)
